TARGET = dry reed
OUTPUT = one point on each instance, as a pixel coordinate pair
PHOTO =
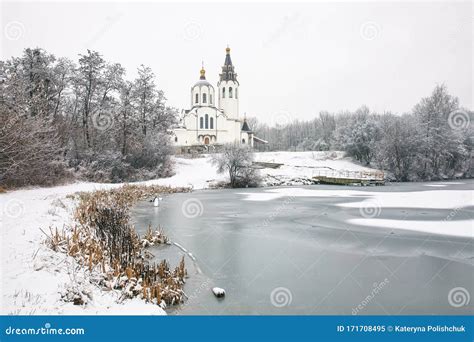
(106, 243)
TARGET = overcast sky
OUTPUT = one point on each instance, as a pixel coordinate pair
(293, 60)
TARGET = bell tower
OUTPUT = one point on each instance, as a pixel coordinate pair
(229, 89)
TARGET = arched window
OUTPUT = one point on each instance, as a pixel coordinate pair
(243, 141)
(230, 92)
(201, 122)
(223, 93)
(211, 123)
(210, 98)
(206, 121)
(175, 139)
(197, 98)
(204, 98)
(236, 93)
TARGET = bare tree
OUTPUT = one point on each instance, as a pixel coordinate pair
(236, 160)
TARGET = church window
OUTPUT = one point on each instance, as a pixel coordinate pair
(201, 122)
(175, 139)
(230, 92)
(243, 141)
(236, 93)
(211, 123)
(210, 98)
(206, 121)
(223, 93)
(204, 98)
(197, 98)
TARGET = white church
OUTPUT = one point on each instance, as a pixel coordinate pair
(214, 120)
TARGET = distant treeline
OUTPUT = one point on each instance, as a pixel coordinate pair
(61, 119)
(433, 141)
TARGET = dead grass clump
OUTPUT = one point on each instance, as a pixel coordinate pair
(56, 240)
(153, 237)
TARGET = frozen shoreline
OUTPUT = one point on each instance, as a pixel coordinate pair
(33, 276)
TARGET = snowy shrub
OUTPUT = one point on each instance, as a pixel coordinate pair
(236, 160)
(78, 292)
(30, 153)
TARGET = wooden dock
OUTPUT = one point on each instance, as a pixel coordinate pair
(265, 165)
(344, 177)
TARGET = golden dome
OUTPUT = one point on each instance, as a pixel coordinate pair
(227, 50)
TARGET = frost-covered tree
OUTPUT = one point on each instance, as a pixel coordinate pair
(236, 160)
(145, 95)
(441, 148)
(84, 116)
(398, 148)
(357, 134)
(89, 78)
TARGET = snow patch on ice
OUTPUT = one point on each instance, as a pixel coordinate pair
(461, 228)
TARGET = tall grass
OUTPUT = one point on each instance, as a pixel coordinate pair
(104, 241)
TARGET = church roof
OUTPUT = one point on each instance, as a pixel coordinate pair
(202, 79)
(245, 126)
(203, 83)
(228, 60)
(228, 73)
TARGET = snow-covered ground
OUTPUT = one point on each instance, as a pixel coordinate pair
(33, 276)
(300, 167)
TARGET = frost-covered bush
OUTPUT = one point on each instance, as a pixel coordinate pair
(154, 157)
(30, 152)
(236, 160)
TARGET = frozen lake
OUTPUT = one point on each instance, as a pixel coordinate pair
(293, 251)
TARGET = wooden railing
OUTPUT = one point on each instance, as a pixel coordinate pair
(366, 175)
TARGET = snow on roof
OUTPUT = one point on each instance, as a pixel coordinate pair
(257, 139)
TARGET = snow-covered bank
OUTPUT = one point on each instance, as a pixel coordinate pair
(33, 277)
(299, 167)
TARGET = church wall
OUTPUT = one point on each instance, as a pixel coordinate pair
(200, 90)
(229, 105)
